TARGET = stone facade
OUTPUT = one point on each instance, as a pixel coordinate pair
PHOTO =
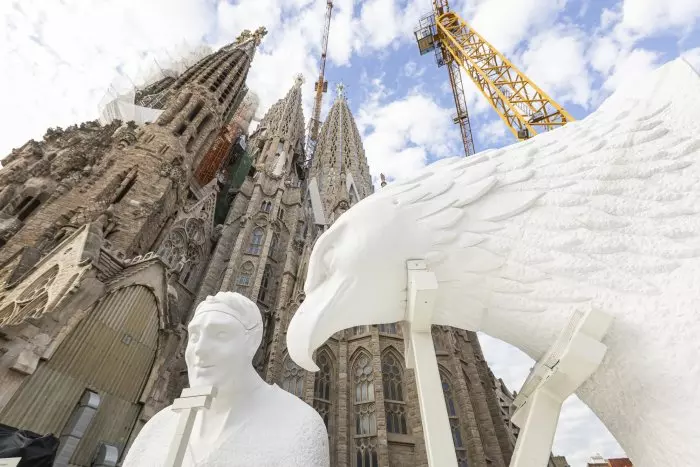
(364, 392)
(108, 239)
(105, 236)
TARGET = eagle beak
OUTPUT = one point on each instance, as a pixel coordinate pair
(299, 337)
(317, 319)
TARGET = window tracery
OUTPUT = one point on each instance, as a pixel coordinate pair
(245, 273)
(264, 292)
(322, 388)
(359, 330)
(292, 377)
(453, 416)
(274, 242)
(394, 403)
(256, 241)
(32, 301)
(365, 426)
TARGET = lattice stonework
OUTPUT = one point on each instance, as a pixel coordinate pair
(394, 403)
(323, 387)
(455, 423)
(292, 377)
(365, 413)
(42, 290)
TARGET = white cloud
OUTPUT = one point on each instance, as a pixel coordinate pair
(630, 65)
(399, 135)
(492, 132)
(506, 23)
(566, 78)
(411, 70)
(61, 57)
(647, 17)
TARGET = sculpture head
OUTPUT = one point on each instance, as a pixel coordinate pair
(357, 269)
(356, 274)
(224, 335)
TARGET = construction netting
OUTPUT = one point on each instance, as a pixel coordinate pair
(120, 99)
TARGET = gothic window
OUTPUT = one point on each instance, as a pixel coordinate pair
(359, 330)
(455, 424)
(27, 207)
(388, 328)
(173, 249)
(292, 377)
(274, 242)
(264, 293)
(256, 241)
(280, 214)
(394, 404)
(194, 259)
(266, 206)
(244, 276)
(439, 339)
(322, 387)
(365, 426)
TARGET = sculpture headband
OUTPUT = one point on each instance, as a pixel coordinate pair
(224, 305)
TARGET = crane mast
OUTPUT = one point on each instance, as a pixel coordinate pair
(320, 87)
(522, 105)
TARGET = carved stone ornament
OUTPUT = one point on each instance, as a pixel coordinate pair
(599, 215)
(262, 424)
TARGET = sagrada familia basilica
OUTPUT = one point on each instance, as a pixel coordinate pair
(110, 234)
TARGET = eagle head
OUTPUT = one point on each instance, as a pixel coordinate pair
(356, 274)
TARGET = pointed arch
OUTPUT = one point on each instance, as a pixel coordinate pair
(453, 415)
(274, 243)
(264, 292)
(394, 392)
(292, 379)
(256, 241)
(244, 274)
(364, 410)
(324, 382)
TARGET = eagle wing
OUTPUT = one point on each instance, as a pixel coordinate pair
(610, 202)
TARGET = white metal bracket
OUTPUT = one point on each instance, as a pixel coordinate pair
(420, 355)
(190, 401)
(570, 361)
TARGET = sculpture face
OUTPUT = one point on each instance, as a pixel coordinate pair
(217, 350)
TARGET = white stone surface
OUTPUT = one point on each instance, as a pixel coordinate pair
(249, 423)
(603, 213)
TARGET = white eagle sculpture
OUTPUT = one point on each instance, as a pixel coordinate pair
(603, 214)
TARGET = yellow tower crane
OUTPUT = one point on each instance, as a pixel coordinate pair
(320, 87)
(521, 104)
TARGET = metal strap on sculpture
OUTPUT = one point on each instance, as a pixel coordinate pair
(191, 400)
(575, 355)
(420, 355)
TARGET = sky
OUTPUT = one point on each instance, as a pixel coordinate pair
(60, 58)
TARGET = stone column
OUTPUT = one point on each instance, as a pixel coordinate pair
(382, 442)
(343, 434)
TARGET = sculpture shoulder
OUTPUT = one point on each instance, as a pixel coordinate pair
(303, 412)
(307, 431)
(159, 427)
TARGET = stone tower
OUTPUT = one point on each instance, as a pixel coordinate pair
(105, 236)
(364, 392)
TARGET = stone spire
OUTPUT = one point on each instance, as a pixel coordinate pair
(339, 169)
(281, 134)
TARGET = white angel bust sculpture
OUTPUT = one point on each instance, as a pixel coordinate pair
(249, 423)
(602, 214)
